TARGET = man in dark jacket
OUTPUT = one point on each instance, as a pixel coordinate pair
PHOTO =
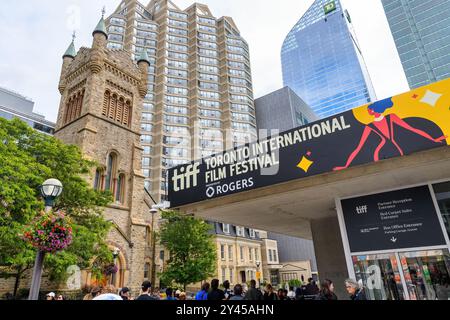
(253, 293)
(216, 294)
(146, 292)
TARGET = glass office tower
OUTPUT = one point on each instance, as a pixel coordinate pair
(421, 31)
(322, 61)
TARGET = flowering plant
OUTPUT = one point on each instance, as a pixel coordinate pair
(111, 269)
(50, 232)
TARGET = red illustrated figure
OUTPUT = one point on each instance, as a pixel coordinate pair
(383, 127)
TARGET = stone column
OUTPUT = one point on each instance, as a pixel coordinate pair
(330, 253)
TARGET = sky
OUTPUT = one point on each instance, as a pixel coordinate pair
(34, 35)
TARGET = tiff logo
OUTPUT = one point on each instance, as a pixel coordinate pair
(182, 180)
(361, 209)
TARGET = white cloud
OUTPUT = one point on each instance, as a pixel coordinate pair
(35, 34)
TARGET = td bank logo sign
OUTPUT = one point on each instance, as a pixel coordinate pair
(186, 178)
(329, 7)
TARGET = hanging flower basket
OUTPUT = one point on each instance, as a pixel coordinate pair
(111, 269)
(50, 232)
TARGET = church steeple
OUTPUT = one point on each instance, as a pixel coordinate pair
(143, 57)
(71, 52)
(101, 26)
(68, 58)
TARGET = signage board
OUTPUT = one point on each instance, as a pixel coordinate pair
(392, 220)
(397, 126)
(329, 7)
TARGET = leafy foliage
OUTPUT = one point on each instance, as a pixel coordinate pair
(27, 159)
(192, 249)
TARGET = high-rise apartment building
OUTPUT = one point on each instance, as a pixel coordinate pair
(323, 63)
(200, 96)
(421, 31)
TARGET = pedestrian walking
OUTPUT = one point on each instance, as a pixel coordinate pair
(354, 290)
(327, 291)
(146, 291)
(238, 290)
(203, 293)
(270, 295)
(215, 294)
(253, 293)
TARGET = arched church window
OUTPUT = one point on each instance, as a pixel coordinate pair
(74, 107)
(120, 192)
(106, 103)
(99, 179)
(116, 108)
(119, 111)
(110, 172)
(113, 107)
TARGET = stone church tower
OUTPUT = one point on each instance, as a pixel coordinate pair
(102, 92)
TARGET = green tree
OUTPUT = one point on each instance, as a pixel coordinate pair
(192, 249)
(27, 159)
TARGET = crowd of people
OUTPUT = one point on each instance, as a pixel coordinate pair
(213, 292)
(309, 291)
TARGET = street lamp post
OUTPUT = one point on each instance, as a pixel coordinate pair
(153, 211)
(50, 190)
(258, 273)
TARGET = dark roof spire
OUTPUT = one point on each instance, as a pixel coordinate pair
(101, 27)
(71, 52)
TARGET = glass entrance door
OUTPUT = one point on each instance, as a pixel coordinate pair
(427, 274)
(380, 276)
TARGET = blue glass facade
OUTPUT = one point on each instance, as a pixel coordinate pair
(322, 62)
(421, 30)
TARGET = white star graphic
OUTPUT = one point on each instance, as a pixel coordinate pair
(431, 98)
